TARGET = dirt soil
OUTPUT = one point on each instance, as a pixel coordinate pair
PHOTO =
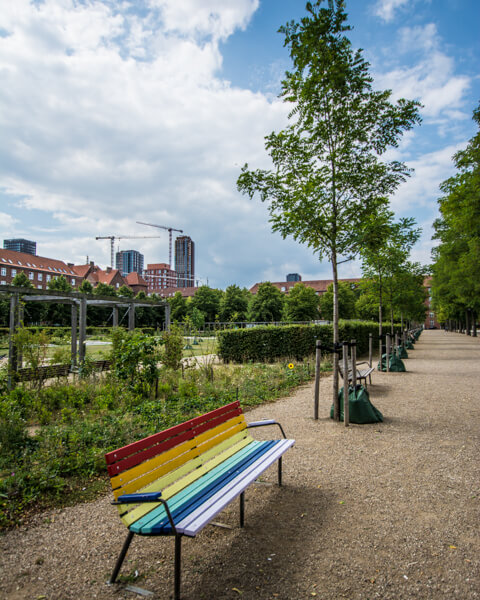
(388, 510)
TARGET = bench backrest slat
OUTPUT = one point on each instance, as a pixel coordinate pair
(134, 454)
(152, 469)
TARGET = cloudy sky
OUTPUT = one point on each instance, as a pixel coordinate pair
(113, 112)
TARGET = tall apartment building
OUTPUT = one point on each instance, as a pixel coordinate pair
(185, 261)
(294, 277)
(129, 261)
(21, 245)
(159, 276)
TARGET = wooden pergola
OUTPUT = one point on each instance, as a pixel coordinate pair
(79, 303)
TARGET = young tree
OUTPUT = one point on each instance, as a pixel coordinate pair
(267, 304)
(328, 175)
(301, 303)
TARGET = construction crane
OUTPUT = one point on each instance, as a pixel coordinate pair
(112, 239)
(169, 229)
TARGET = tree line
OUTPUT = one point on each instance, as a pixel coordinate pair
(456, 267)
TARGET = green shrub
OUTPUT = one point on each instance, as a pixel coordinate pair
(291, 341)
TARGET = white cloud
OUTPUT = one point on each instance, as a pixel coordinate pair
(421, 190)
(385, 9)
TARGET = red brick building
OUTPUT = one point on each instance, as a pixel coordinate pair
(39, 269)
(319, 285)
(159, 277)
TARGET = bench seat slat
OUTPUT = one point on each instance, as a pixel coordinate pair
(171, 493)
(193, 471)
(192, 496)
(197, 520)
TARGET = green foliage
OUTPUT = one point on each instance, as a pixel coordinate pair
(103, 289)
(207, 301)
(346, 302)
(135, 359)
(21, 280)
(456, 270)
(234, 304)
(32, 345)
(85, 287)
(267, 304)
(178, 307)
(301, 303)
(125, 292)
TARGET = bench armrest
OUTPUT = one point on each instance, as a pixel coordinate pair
(266, 422)
(147, 497)
(138, 498)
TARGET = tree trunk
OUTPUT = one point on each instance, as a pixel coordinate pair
(336, 402)
(474, 324)
(380, 321)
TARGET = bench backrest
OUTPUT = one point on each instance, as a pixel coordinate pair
(174, 458)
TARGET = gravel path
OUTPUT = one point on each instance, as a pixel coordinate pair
(388, 511)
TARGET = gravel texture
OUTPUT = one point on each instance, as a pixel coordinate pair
(388, 510)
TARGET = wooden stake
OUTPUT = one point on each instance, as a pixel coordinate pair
(318, 358)
(388, 351)
(346, 407)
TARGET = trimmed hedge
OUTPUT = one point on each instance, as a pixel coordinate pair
(267, 343)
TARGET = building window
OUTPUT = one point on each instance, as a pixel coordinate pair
(283, 288)
(30, 275)
(40, 277)
(14, 272)
(72, 281)
(39, 287)
(4, 271)
(3, 282)
(49, 277)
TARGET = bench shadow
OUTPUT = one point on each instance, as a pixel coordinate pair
(267, 554)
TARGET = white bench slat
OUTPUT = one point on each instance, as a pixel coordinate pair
(202, 515)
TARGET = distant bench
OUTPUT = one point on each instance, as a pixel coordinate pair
(51, 371)
(176, 481)
(361, 373)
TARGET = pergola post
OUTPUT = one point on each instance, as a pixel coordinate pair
(12, 349)
(167, 316)
(74, 322)
(82, 333)
(115, 316)
(131, 317)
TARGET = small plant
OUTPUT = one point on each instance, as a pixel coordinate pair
(173, 352)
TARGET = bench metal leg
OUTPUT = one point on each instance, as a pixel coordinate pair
(121, 557)
(242, 509)
(178, 566)
(280, 471)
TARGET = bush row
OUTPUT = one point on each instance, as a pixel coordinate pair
(268, 343)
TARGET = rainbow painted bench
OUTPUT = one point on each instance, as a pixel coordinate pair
(176, 481)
